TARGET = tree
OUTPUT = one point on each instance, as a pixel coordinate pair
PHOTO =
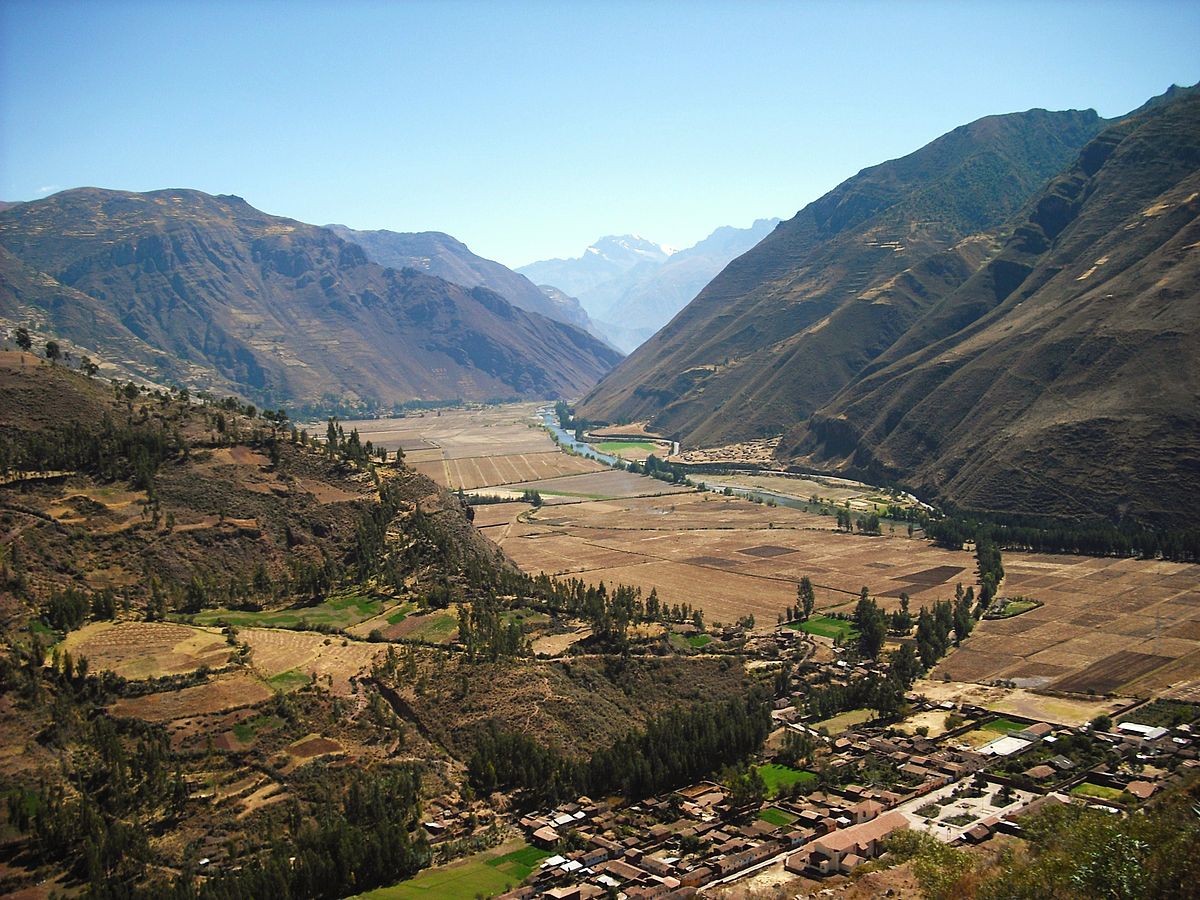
(24, 341)
(53, 351)
(806, 596)
(871, 624)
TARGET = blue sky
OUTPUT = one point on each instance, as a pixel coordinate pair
(530, 129)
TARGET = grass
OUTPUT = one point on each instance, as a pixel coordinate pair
(340, 611)
(481, 875)
(398, 616)
(826, 626)
(1013, 607)
(777, 777)
(38, 627)
(1099, 791)
(435, 628)
(288, 681)
(929, 810)
(618, 446)
(699, 640)
(1004, 726)
(841, 722)
(248, 730)
(776, 816)
(959, 820)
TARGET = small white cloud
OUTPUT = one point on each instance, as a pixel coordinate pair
(49, 189)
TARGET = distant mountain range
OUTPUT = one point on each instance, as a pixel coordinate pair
(446, 257)
(209, 292)
(949, 322)
(631, 287)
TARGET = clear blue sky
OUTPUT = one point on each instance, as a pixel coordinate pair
(530, 129)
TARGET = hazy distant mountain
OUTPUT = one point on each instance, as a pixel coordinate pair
(789, 323)
(631, 287)
(1063, 377)
(446, 257)
(210, 292)
(607, 259)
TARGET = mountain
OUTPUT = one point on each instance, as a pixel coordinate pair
(1063, 377)
(640, 290)
(789, 323)
(209, 292)
(609, 258)
(451, 260)
(648, 300)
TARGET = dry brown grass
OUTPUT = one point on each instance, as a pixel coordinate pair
(147, 649)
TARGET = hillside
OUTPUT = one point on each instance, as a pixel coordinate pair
(1063, 377)
(211, 293)
(231, 620)
(786, 325)
(451, 260)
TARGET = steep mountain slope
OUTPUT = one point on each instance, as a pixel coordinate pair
(210, 292)
(1064, 377)
(786, 325)
(646, 300)
(447, 258)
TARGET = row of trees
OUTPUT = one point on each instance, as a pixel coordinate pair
(675, 748)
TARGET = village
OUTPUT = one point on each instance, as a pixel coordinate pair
(834, 810)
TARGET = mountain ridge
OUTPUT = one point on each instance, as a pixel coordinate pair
(209, 292)
(787, 324)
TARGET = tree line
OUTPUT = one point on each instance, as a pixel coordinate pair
(674, 749)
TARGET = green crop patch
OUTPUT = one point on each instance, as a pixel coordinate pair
(826, 626)
(776, 816)
(777, 777)
(339, 611)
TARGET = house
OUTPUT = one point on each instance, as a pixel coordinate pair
(865, 811)
(841, 850)
(1145, 732)
(1040, 772)
(1141, 789)
(545, 837)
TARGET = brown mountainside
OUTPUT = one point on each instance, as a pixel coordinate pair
(210, 292)
(786, 325)
(1063, 377)
(446, 257)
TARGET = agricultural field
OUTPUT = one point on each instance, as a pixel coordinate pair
(340, 611)
(223, 693)
(826, 626)
(481, 875)
(829, 490)
(147, 649)
(475, 448)
(637, 451)
(778, 778)
(1105, 626)
(1057, 710)
(728, 556)
(287, 659)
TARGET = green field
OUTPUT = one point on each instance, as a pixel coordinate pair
(776, 816)
(1100, 791)
(435, 627)
(777, 777)
(340, 611)
(288, 681)
(617, 446)
(1013, 607)
(825, 626)
(699, 640)
(1004, 726)
(248, 730)
(482, 875)
(849, 719)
